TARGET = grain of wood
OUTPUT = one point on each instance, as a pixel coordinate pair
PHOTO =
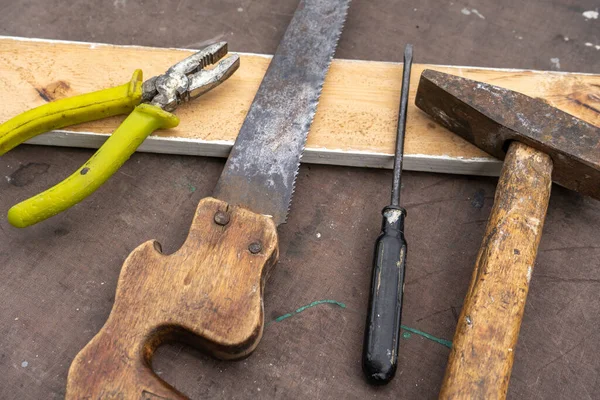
(208, 294)
(355, 124)
(485, 340)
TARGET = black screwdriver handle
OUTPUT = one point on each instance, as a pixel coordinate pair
(382, 330)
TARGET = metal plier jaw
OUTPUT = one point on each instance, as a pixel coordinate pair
(149, 105)
(188, 79)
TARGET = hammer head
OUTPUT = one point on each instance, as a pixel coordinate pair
(491, 117)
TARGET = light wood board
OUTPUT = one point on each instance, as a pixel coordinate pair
(355, 123)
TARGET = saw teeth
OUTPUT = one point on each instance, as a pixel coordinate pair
(319, 91)
(268, 188)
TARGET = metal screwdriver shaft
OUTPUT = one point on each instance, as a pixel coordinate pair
(399, 157)
(382, 330)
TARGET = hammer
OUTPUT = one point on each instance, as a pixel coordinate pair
(538, 144)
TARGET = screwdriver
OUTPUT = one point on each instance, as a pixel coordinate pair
(382, 330)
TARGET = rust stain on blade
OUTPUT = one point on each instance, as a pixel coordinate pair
(261, 170)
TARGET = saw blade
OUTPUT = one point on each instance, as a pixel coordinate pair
(261, 170)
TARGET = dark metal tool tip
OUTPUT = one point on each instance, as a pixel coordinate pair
(408, 52)
(399, 156)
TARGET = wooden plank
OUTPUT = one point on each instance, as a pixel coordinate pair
(354, 126)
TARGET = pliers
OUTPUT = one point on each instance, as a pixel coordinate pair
(149, 105)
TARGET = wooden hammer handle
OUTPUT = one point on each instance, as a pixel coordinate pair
(208, 294)
(483, 349)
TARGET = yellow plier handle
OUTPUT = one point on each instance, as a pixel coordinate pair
(142, 121)
(117, 149)
(182, 82)
(71, 111)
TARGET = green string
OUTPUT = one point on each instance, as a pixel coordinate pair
(406, 335)
(306, 307)
(426, 335)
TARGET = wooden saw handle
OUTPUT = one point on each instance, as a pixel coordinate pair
(208, 294)
(484, 343)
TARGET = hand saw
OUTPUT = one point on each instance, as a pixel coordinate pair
(209, 293)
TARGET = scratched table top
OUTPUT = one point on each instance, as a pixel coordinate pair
(57, 279)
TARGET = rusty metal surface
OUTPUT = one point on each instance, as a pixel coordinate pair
(260, 173)
(490, 117)
(188, 79)
(58, 279)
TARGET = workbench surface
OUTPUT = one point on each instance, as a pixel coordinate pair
(58, 279)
